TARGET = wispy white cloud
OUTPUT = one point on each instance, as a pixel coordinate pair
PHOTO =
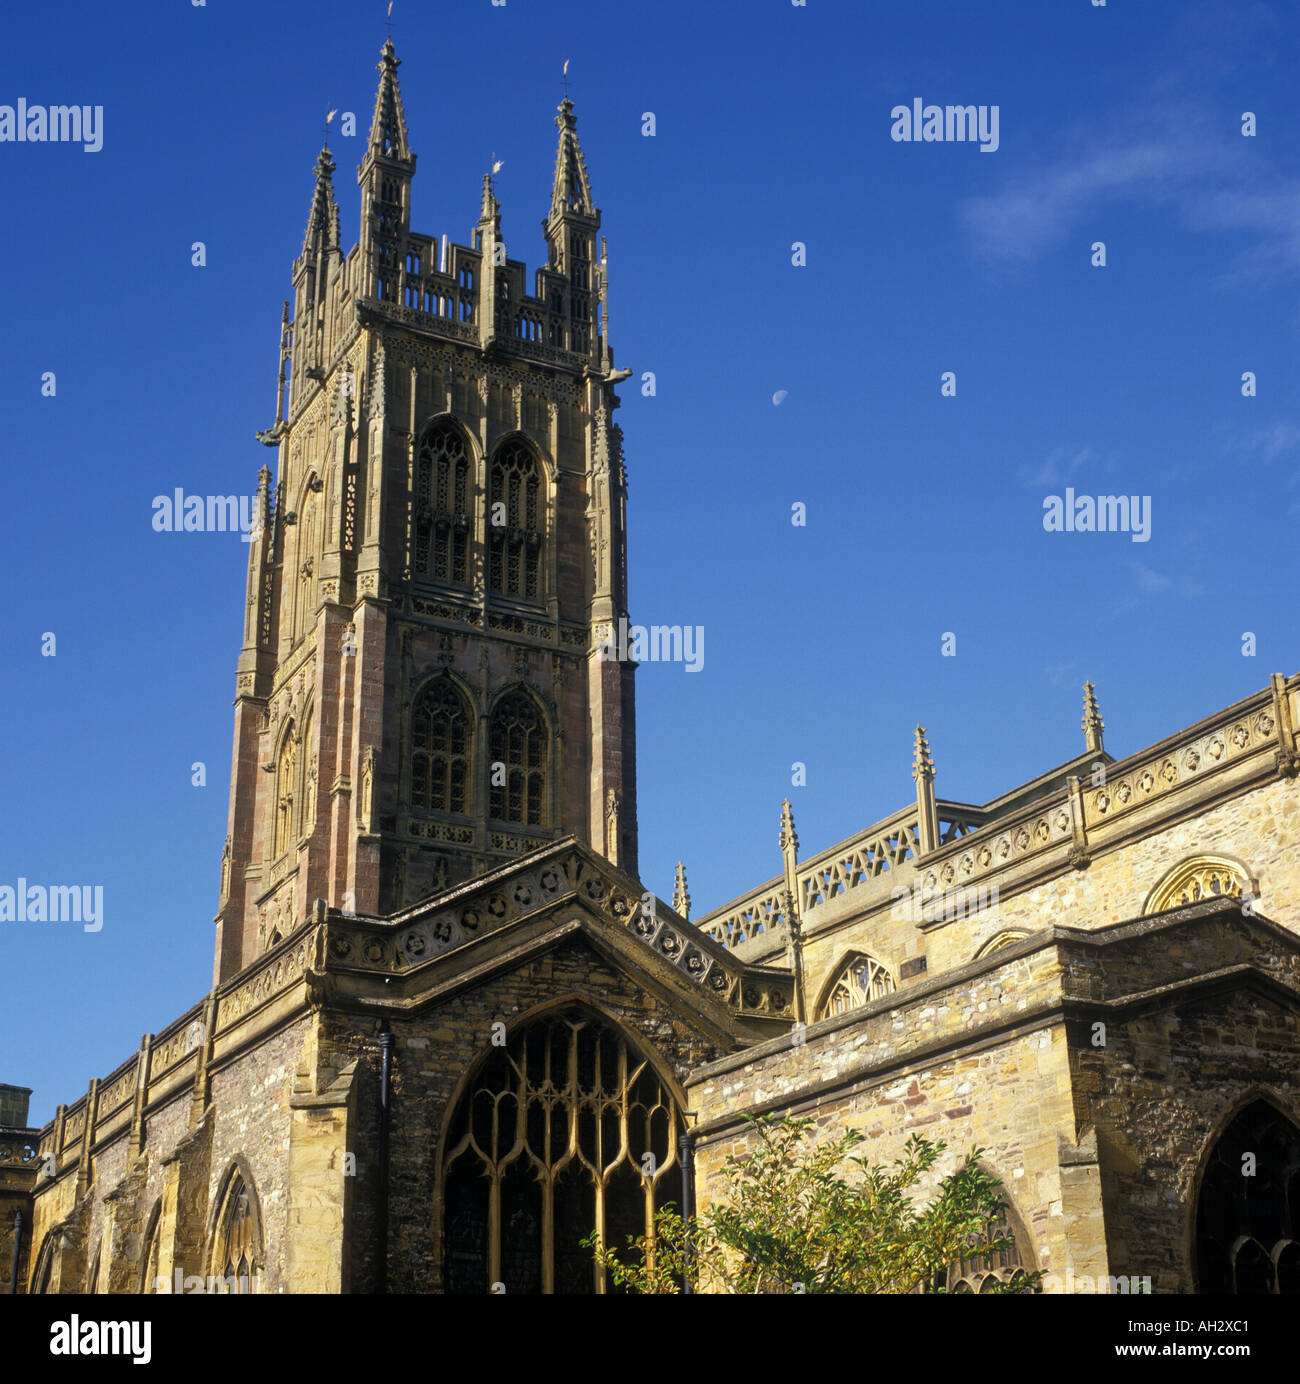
(1039, 208)
(1191, 158)
(1151, 581)
(1060, 464)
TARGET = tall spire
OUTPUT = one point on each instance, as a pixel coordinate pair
(322, 232)
(571, 191)
(571, 229)
(385, 175)
(1093, 725)
(388, 125)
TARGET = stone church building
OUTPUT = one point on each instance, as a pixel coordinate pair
(448, 1020)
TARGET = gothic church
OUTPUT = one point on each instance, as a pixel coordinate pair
(448, 1020)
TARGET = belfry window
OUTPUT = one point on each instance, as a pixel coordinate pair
(515, 522)
(519, 751)
(565, 1130)
(442, 517)
(440, 754)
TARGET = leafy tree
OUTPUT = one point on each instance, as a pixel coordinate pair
(789, 1221)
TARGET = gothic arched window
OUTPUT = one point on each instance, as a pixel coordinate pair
(549, 1142)
(519, 753)
(860, 979)
(515, 520)
(983, 1273)
(1009, 938)
(442, 517)
(237, 1251)
(1248, 1210)
(285, 786)
(440, 749)
(1201, 877)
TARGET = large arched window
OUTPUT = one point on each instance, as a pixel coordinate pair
(285, 786)
(1248, 1210)
(236, 1258)
(515, 521)
(859, 980)
(519, 752)
(440, 749)
(566, 1129)
(442, 516)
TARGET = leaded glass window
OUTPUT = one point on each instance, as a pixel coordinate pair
(515, 521)
(1248, 1211)
(565, 1130)
(442, 517)
(519, 753)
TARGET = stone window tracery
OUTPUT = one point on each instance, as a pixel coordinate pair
(443, 522)
(440, 749)
(1201, 877)
(861, 979)
(515, 521)
(566, 1129)
(980, 1274)
(518, 743)
(237, 1241)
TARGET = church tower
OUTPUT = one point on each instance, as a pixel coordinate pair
(421, 693)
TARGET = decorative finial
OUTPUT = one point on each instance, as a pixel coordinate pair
(1093, 725)
(922, 764)
(789, 839)
(681, 898)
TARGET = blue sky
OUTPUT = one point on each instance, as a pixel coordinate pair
(1120, 124)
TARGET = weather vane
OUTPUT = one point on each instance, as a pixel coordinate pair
(329, 115)
(390, 21)
(566, 79)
